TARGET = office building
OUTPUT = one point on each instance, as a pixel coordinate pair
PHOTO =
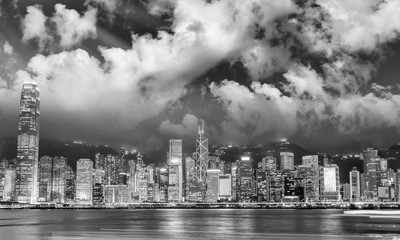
(26, 185)
(175, 171)
(9, 184)
(330, 186)
(246, 185)
(84, 181)
(287, 161)
(69, 185)
(355, 185)
(212, 192)
(45, 179)
(225, 187)
(58, 177)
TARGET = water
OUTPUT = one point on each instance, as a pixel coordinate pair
(187, 224)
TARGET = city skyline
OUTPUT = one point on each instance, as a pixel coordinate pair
(137, 74)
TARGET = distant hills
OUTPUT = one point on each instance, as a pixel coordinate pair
(74, 151)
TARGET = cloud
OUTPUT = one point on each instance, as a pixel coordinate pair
(326, 52)
(71, 28)
(8, 49)
(34, 26)
(110, 5)
(187, 129)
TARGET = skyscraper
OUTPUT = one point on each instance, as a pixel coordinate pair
(355, 188)
(330, 187)
(312, 162)
(175, 177)
(212, 193)
(287, 161)
(69, 185)
(26, 186)
(58, 189)
(84, 181)
(45, 179)
(370, 164)
(201, 158)
(246, 187)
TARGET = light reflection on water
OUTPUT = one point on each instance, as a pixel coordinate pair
(183, 224)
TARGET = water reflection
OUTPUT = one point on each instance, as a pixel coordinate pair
(182, 224)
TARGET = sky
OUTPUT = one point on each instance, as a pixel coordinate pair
(133, 74)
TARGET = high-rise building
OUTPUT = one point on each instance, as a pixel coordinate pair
(201, 158)
(99, 182)
(397, 186)
(194, 190)
(69, 185)
(234, 174)
(212, 193)
(84, 181)
(142, 180)
(175, 179)
(262, 176)
(269, 163)
(225, 187)
(287, 161)
(355, 185)
(99, 161)
(26, 186)
(246, 186)
(346, 192)
(45, 179)
(276, 188)
(9, 184)
(371, 165)
(163, 185)
(312, 162)
(58, 188)
(330, 187)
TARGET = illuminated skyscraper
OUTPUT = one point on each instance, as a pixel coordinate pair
(287, 161)
(312, 162)
(201, 157)
(175, 177)
(26, 186)
(225, 187)
(9, 184)
(330, 188)
(212, 193)
(246, 186)
(163, 185)
(397, 186)
(371, 165)
(355, 188)
(69, 185)
(45, 179)
(58, 189)
(84, 181)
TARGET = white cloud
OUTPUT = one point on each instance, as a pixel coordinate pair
(8, 49)
(34, 26)
(187, 129)
(72, 27)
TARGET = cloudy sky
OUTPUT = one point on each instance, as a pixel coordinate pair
(320, 73)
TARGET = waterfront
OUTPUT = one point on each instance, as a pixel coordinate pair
(189, 224)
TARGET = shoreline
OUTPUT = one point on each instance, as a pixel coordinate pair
(300, 206)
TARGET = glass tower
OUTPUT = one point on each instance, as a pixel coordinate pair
(26, 186)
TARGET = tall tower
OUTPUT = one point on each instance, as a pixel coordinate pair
(202, 156)
(26, 186)
(175, 171)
